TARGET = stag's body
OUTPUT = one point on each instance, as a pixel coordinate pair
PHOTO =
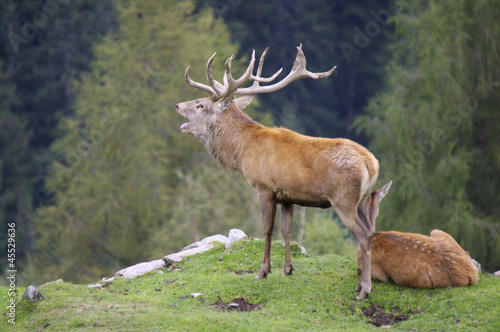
(420, 261)
(283, 166)
(297, 169)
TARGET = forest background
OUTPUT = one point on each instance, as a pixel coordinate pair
(96, 176)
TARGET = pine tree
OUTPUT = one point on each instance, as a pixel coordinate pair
(351, 35)
(116, 184)
(43, 47)
(434, 129)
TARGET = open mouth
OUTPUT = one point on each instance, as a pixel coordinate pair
(184, 127)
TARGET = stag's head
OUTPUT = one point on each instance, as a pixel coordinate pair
(203, 112)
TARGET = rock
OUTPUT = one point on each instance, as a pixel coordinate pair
(235, 235)
(476, 264)
(207, 240)
(177, 257)
(196, 294)
(140, 269)
(195, 248)
(97, 286)
(497, 274)
(107, 282)
(33, 294)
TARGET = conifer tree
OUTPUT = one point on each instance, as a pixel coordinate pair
(435, 129)
(44, 45)
(116, 183)
(351, 35)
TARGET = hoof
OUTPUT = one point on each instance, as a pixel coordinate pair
(363, 294)
(288, 271)
(261, 275)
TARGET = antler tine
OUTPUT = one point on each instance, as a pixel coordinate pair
(197, 85)
(260, 79)
(257, 78)
(300, 65)
(232, 84)
(218, 88)
(261, 62)
(298, 71)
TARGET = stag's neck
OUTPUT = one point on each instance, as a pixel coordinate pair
(228, 138)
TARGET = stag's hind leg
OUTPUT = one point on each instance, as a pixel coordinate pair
(286, 231)
(365, 283)
(268, 205)
(358, 224)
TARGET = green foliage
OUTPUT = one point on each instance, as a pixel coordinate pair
(319, 296)
(325, 107)
(120, 155)
(43, 47)
(328, 235)
(434, 129)
(207, 201)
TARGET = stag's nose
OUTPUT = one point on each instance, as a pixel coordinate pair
(176, 107)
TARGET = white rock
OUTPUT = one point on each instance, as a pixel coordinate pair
(221, 238)
(476, 264)
(235, 235)
(177, 257)
(140, 269)
(95, 286)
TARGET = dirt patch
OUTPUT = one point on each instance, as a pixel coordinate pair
(238, 304)
(379, 317)
(240, 272)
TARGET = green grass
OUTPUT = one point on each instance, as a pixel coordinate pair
(319, 296)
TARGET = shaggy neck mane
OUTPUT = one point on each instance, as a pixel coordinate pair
(228, 137)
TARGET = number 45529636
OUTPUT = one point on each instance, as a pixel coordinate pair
(11, 246)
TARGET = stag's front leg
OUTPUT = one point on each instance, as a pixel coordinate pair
(268, 205)
(286, 231)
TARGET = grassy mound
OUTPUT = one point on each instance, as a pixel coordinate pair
(319, 296)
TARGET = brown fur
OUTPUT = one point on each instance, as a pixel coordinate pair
(284, 167)
(420, 261)
(289, 168)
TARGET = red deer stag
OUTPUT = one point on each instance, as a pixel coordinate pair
(284, 167)
(416, 260)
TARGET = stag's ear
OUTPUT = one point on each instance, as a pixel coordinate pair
(243, 102)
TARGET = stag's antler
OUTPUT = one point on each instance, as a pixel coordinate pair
(232, 86)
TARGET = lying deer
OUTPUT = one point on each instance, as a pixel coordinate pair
(417, 260)
(283, 166)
